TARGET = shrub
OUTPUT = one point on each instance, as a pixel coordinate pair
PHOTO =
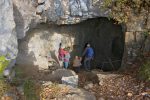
(144, 71)
(122, 9)
(30, 90)
(3, 64)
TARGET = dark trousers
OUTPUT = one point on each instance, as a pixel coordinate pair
(76, 69)
(87, 63)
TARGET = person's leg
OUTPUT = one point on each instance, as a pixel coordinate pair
(78, 69)
(85, 63)
(75, 69)
(89, 63)
(66, 64)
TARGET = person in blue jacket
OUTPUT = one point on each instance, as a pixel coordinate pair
(89, 54)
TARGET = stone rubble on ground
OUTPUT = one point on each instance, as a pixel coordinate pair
(75, 94)
(105, 76)
(88, 85)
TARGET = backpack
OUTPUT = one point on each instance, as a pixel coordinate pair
(89, 52)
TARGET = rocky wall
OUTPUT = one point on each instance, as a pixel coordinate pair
(8, 36)
(137, 36)
(18, 16)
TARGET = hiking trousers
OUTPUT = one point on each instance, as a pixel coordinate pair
(66, 64)
(87, 63)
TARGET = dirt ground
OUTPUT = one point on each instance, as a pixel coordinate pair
(122, 86)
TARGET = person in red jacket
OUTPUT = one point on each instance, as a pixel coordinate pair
(61, 55)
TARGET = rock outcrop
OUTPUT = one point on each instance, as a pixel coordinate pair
(8, 38)
(69, 11)
(24, 16)
(28, 13)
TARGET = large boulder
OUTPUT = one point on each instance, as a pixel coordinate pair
(58, 74)
(71, 80)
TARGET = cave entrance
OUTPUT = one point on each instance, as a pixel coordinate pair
(106, 37)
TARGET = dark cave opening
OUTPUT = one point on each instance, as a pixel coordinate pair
(105, 36)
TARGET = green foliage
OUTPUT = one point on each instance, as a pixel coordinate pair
(146, 33)
(145, 71)
(121, 9)
(3, 64)
(4, 87)
(107, 3)
(117, 10)
(30, 90)
(18, 79)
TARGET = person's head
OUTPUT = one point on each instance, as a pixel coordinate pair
(88, 45)
(67, 49)
(60, 45)
(76, 57)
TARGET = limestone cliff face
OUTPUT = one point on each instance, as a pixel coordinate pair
(24, 16)
(28, 13)
(8, 38)
(69, 11)
(18, 16)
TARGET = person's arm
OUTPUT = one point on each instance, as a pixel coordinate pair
(84, 52)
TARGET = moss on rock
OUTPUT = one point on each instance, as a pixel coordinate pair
(3, 64)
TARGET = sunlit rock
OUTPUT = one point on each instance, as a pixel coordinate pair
(8, 39)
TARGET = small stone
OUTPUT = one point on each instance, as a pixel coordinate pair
(68, 95)
(88, 85)
(144, 93)
(47, 83)
(130, 94)
(101, 98)
(6, 98)
(41, 1)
